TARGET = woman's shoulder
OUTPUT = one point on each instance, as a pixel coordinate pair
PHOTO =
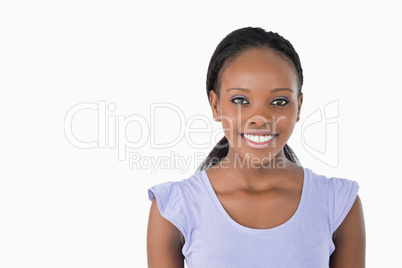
(184, 187)
(336, 193)
(329, 182)
(176, 200)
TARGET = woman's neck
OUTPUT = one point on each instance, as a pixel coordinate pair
(250, 174)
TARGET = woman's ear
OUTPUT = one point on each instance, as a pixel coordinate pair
(300, 102)
(214, 101)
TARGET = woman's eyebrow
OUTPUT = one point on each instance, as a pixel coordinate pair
(248, 90)
(238, 88)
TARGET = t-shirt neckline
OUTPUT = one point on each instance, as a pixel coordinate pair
(250, 230)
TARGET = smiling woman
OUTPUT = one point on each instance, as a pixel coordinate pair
(269, 100)
(251, 203)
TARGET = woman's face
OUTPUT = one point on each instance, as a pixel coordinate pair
(258, 104)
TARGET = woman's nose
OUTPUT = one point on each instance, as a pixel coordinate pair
(259, 115)
(259, 121)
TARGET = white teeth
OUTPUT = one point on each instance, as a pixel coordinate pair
(258, 139)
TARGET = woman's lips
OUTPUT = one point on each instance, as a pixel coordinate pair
(258, 141)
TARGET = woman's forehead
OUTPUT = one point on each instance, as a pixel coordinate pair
(259, 68)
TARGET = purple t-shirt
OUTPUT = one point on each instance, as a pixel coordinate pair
(214, 240)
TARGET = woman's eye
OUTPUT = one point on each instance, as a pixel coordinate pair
(240, 101)
(280, 102)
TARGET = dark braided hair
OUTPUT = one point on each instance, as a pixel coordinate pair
(226, 52)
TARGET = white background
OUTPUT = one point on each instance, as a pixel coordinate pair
(65, 206)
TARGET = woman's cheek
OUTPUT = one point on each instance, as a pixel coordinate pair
(286, 121)
(230, 118)
(230, 123)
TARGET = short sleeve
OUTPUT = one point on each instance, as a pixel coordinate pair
(345, 193)
(169, 200)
